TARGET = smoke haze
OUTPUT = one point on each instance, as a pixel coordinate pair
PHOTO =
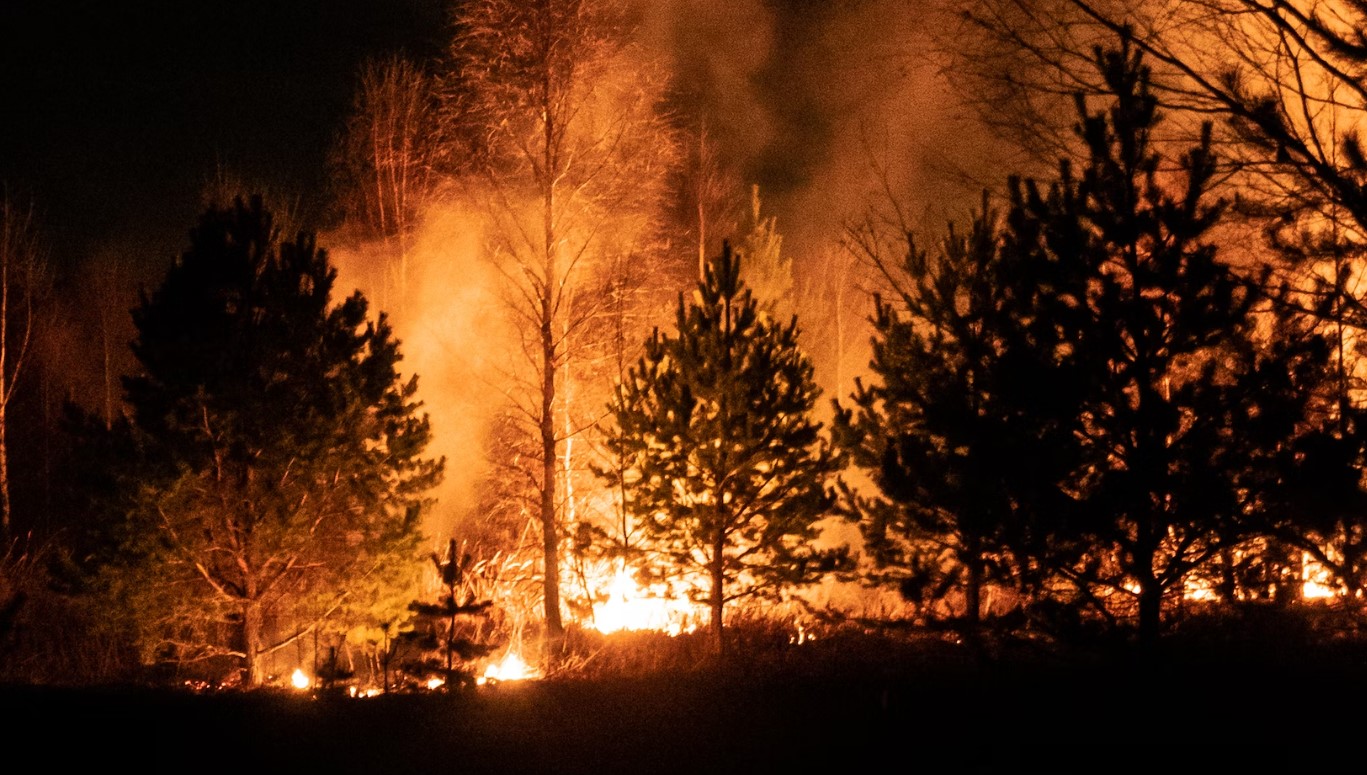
(831, 108)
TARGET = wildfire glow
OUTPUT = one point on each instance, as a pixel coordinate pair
(299, 679)
(1316, 581)
(628, 607)
(510, 668)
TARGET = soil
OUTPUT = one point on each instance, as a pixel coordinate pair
(1207, 715)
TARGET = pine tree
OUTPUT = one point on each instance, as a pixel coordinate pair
(963, 428)
(768, 271)
(1091, 391)
(449, 632)
(719, 456)
(1196, 379)
(284, 479)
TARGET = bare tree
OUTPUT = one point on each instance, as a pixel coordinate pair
(556, 112)
(22, 272)
(708, 195)
(387, 159)
(1285, 78)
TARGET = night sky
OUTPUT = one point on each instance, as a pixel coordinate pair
(116, 115)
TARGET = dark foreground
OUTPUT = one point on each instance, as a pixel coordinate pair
(1209, 717)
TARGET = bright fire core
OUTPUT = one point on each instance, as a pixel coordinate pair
(629, 607)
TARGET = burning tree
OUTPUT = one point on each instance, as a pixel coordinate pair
(719, 457)
(564, 150)
(283, 477)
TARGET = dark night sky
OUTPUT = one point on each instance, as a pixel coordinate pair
(116, 114)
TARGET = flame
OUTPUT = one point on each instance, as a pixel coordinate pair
(628, 607)
(299, 679)
(1317, 582)
(510, 668)
(435, 683)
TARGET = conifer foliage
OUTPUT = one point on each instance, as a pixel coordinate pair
(284, 479)
(964, 427)
(1085, 388)
(720, 457)
(449, 632)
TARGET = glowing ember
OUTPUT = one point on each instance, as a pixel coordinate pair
(300, 679)
(511, 668)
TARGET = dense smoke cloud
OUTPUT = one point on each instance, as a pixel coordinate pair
(451, 336)
(827, 106)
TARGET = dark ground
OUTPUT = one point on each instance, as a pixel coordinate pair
(1200, 716)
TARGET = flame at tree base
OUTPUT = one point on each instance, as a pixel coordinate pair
(510, 668)
(629, 608)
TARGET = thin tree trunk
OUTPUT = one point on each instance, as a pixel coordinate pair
(8, 527)
(718, 587)
(1150, 612)
(251, 641)
(550, 533)
(6, 250)
(973, 592)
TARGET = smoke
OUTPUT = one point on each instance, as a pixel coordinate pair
(445, 314)
(838, 111)
(830, 107)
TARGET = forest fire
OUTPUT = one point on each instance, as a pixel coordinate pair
(630, 608)
(510, 668)
(616, 429)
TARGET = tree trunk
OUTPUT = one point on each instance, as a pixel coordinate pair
(718, 587)
(1150, 611)
(550, 533)
(6, 523)
(549, 529)
(973, 593)
(251, 642)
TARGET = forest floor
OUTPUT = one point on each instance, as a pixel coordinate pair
(1217, 712)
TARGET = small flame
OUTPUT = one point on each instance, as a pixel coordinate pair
(435, 683)
(510, 668)
(299, 679)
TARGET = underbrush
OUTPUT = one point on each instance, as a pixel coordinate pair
(762, 648)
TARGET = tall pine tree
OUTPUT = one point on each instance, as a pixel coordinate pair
(1092, 392)
(963, 428)
(285, 478)
(719, 456)
(1188, 390)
